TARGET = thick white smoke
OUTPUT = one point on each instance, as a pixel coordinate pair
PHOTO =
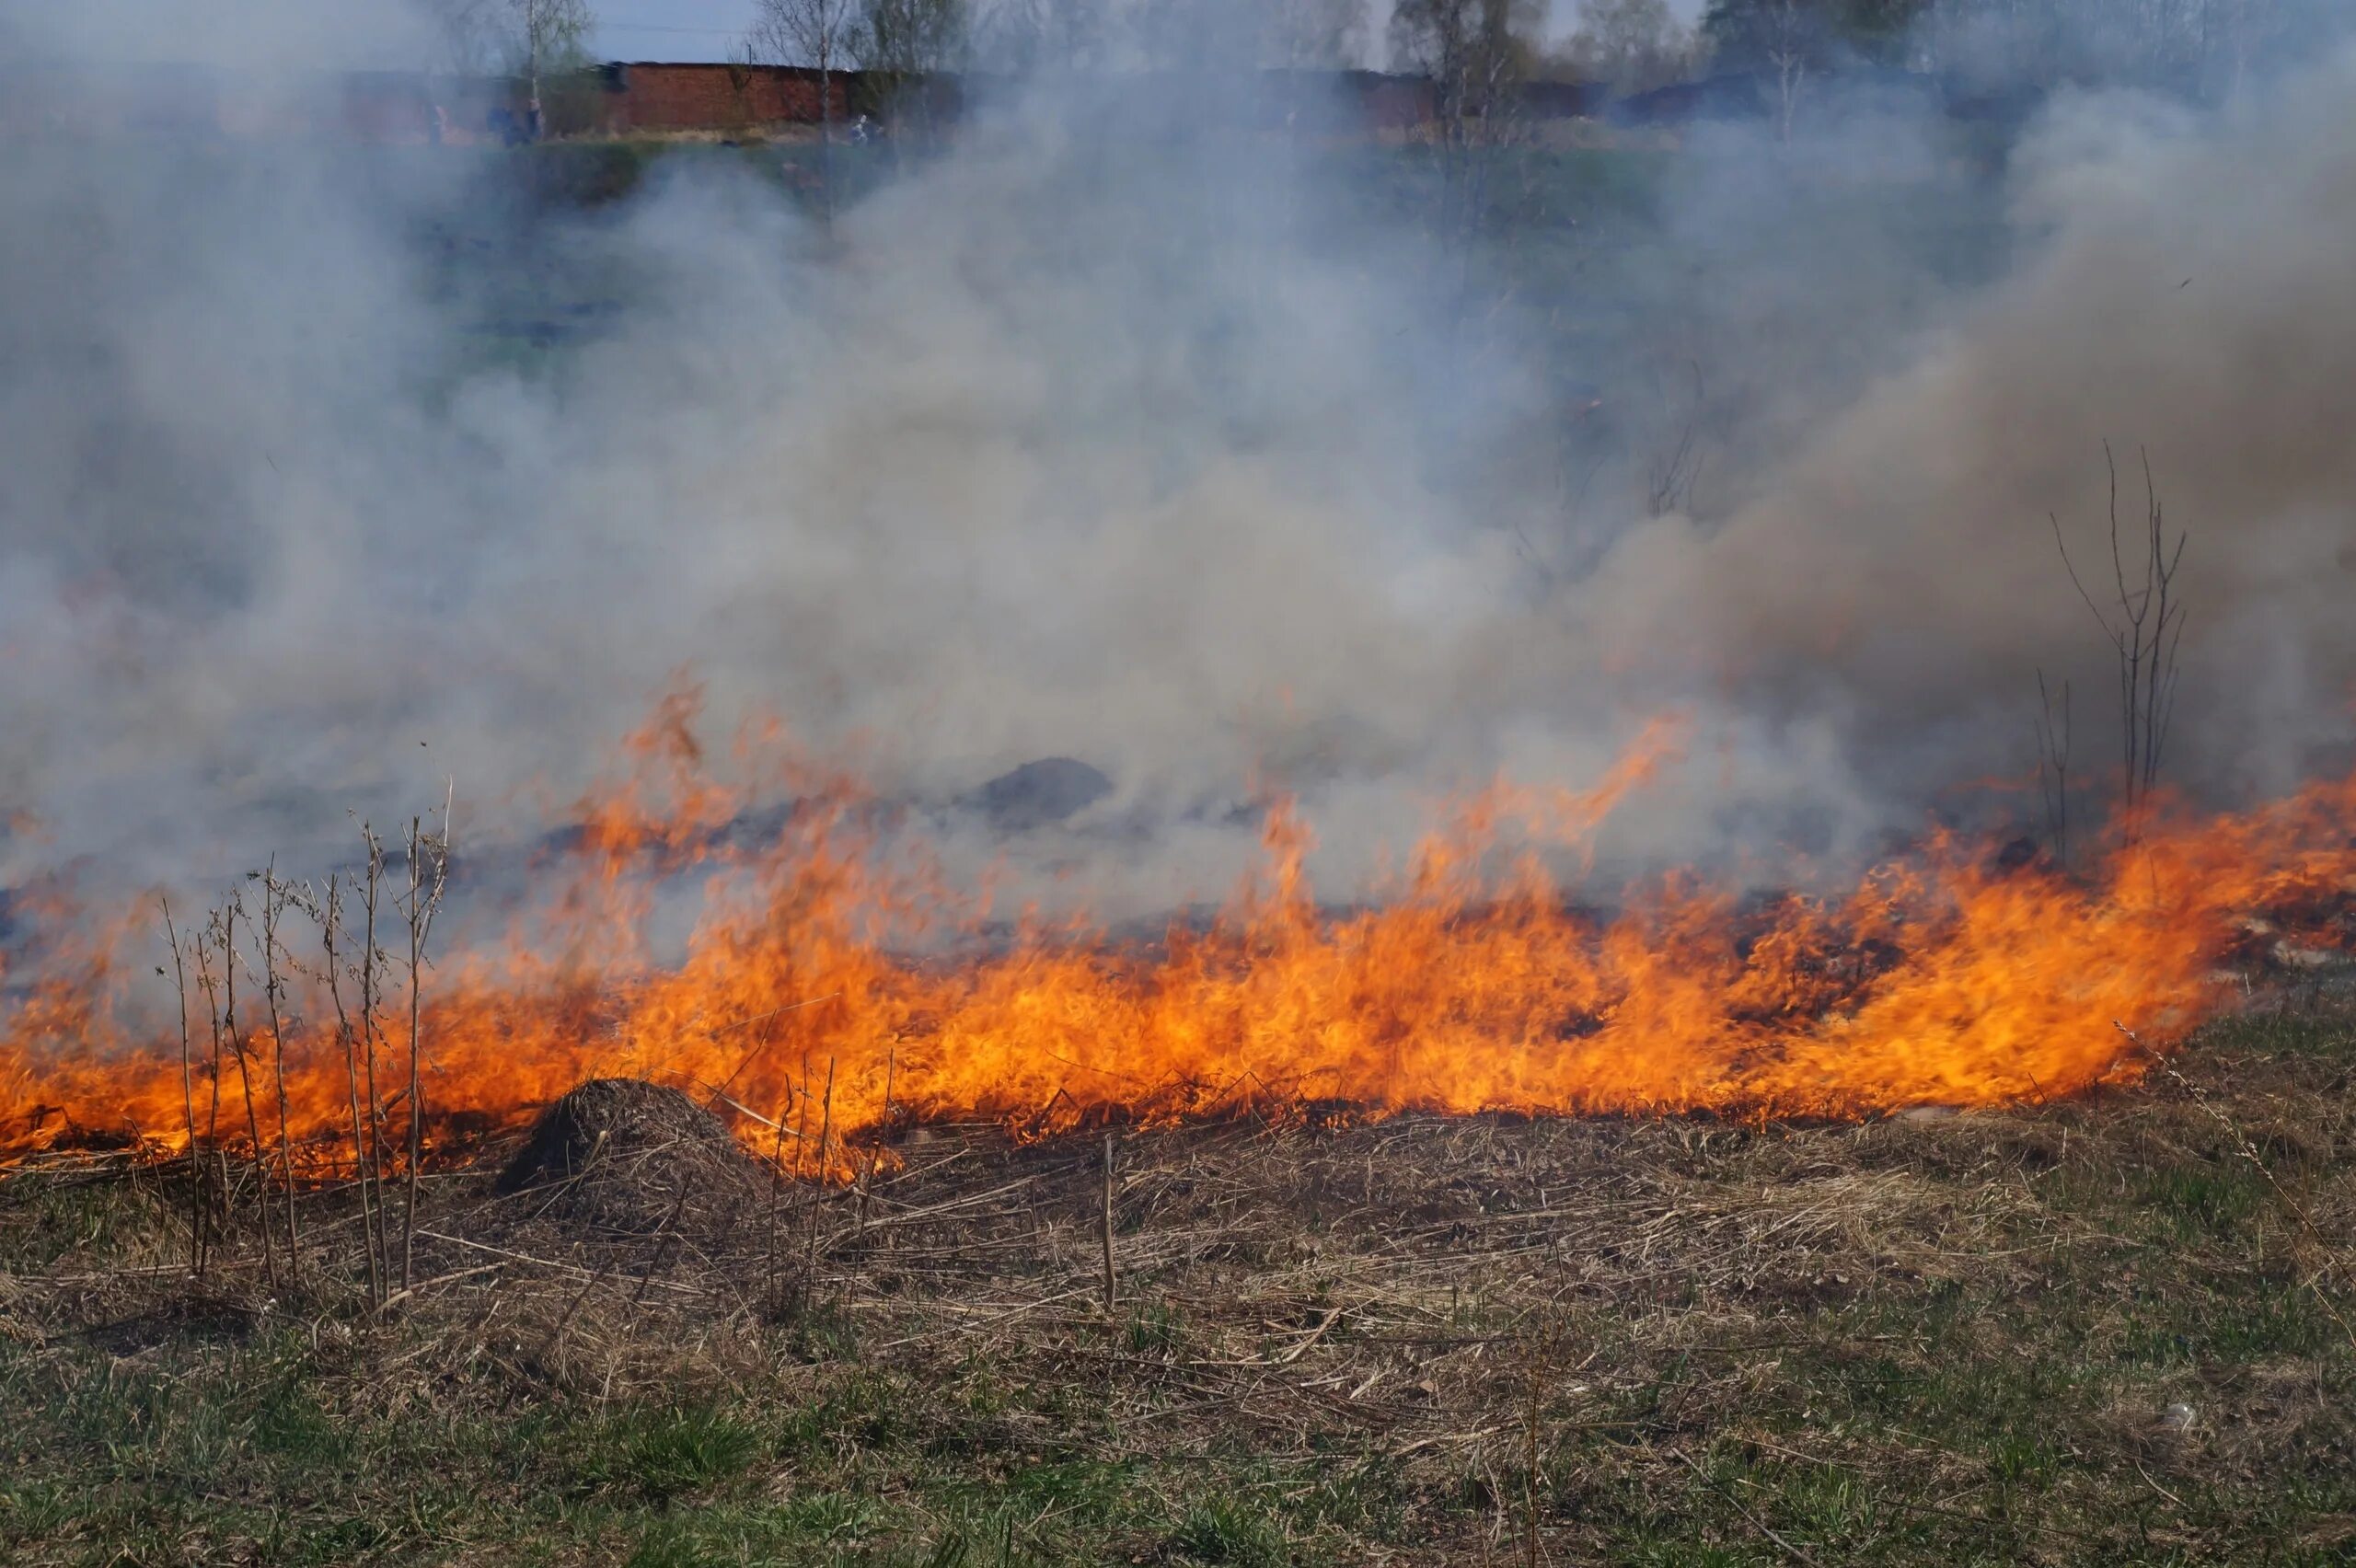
(1112, 435)
(1901, 568)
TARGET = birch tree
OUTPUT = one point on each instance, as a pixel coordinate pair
(913, 44)
(819, 35)
(533, 39)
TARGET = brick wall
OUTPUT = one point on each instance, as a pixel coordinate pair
(654, 96)
(647, 98)
(1397, 103)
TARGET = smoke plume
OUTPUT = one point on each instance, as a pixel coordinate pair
(1118, 433)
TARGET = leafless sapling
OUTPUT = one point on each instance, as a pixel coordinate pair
(531, 38)
(188, 1094)
(2145, 628)
(329, 912)
(1787, 54)
(429, 863)
(1475, 54)
(912, 45)
(274, 900)
(225, 941)
(1674, 466)
(370, 956)
(819, 35)
(818, 1190)
(1112, 1275)
(2053, 766)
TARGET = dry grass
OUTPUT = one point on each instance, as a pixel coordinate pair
(2111, 1331)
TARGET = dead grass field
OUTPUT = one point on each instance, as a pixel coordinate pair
(2112, 1330)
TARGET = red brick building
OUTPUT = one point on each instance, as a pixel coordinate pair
(636, 99)
(651, 95)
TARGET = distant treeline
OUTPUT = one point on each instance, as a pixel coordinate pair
(654, 98)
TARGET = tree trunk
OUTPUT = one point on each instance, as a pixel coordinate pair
(826, 133)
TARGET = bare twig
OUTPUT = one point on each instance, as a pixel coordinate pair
(368, 956)
(2249, 1151)
(1670, 474)
(2053, 766)
(1756, 1522)
(867, 1182)
(414, 909)
(274, 905)
(1533, 1550)
(227, 919)
(1112, 1280)
(188, 1095)
(330, 916)
(771, 1289)
(818, 1190)
(2146, 634)
(429, 865)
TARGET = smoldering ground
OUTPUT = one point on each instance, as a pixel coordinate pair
(1115, 431)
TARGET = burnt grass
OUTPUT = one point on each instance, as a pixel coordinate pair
(2115, 1329)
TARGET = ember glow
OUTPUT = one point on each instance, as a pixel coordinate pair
(1945, 977)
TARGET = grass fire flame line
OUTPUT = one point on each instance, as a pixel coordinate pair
(1941, 978)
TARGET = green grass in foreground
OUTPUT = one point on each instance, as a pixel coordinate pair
(1945, 1342)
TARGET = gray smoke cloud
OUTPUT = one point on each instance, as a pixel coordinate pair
(250, 35)
(1111, 434)
(1901, 570)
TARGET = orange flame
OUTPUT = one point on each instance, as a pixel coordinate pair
(824, 985)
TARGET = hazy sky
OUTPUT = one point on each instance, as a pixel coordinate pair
(669, 29)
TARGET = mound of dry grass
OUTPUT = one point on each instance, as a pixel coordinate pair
(625, 1159)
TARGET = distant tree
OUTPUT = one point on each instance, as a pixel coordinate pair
(1744, 34)
(462, 35)
(1244, 35)
(1994, 43)
(2247, 30)
(2176, 44)
(820, 35)
(1633, 45)
(554, 37)
(1474, 51)
(1315, 35)
(911, 43)
(1022, 36)
(1195, 35)
(533, 40)
(1882, 31)
(1477, 54)
(1791, 43)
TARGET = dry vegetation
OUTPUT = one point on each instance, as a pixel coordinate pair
(2109, 1330)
